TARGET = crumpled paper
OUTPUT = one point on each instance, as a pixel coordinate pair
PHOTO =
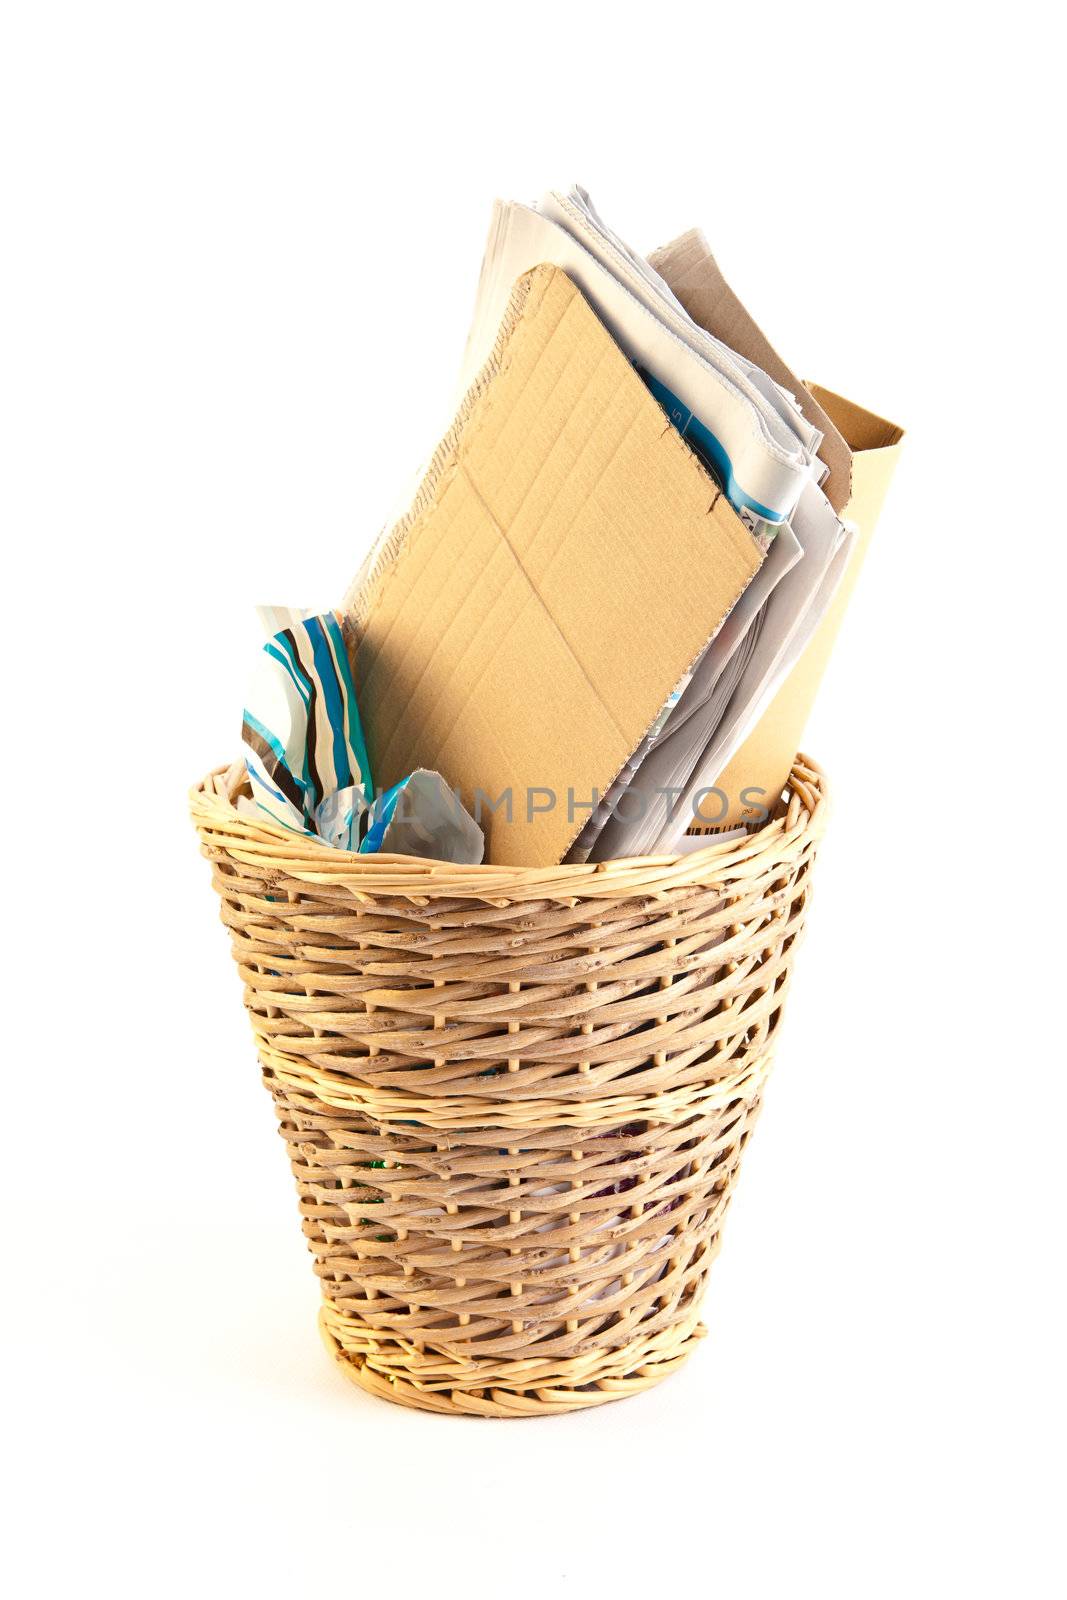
(307, 758)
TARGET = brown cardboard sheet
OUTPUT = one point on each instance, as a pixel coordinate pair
(564, 563)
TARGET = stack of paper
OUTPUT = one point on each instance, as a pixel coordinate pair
(617, 554)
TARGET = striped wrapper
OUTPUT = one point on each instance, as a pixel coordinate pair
(303, 740)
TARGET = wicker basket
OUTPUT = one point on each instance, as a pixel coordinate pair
(514, 1100)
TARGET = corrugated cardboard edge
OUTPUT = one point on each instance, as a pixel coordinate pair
(692, 274)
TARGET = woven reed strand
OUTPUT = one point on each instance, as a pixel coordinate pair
(514, 1100)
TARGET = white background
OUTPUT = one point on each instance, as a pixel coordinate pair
(241, 246)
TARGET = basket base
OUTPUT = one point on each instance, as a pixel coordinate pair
(526, 1390)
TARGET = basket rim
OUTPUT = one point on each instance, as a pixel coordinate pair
(266, 845)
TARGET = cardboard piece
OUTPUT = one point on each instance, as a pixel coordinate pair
(763, 763)
(565, 562)
(692, 274)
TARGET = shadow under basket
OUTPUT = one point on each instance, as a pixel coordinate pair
(515, 1100)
